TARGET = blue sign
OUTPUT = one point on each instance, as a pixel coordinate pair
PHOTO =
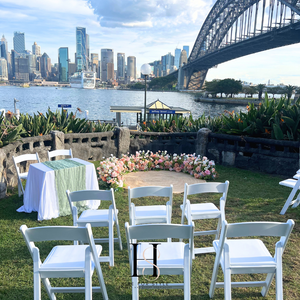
(65, 105)
(161, 111)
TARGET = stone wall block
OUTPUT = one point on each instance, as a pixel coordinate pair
(123, 140)
(58, 140)
(228, 158)
(202, 141)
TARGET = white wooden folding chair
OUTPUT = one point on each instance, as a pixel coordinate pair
(64, 261)
(60, 152)
(173, 258)
(98, 217)
(294, 184)
(149, 214)
(201, 211)
(250, 256)
(23, 175)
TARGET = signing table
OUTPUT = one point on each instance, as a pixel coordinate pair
(46, 186)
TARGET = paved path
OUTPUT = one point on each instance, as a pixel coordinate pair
(160, 178)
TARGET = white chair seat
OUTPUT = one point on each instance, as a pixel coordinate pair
(241, 253)
(170, 254)
(203, 211)
(288, 182)
(67, 258)
(94, 215)
(154, 213)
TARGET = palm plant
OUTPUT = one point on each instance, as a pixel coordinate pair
(260, 88)
(289, 90)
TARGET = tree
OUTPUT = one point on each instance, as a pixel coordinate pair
(260, 88)
(249, 90)
(226, 86)
(212, 86)
(289, 90)
(273, 90)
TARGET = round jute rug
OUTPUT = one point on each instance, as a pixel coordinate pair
(160, 178)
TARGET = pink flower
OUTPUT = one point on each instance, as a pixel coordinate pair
(207, 172)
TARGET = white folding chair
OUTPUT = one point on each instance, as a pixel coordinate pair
(98, 217)
(250, 256)
(64, 261)
(61, 152)
(149, 214)
(173, 258)
(294, 184)
(23, 175)
(201, 211)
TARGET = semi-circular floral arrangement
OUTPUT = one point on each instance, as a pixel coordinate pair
(112, 169)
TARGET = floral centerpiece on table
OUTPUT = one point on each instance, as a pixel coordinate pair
(112, 169)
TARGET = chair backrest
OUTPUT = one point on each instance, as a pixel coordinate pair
(61, 152)
(92, 195)
(159, 232)
(24, 157)
(206, 187)
(53, 233)
(147, 191)
(247, 229)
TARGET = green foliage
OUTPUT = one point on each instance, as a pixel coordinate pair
(137, 86)
(260, 88)
(227, 86)
(163, 83)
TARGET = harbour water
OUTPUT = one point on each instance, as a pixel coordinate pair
(98, 101)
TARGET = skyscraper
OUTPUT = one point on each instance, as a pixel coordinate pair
(87, 52)
(63, 64)
(167, 63)
(95, 63)
(3, 48)
(81, 50)
(187, 49)
(19, 42)
(45, 65)
(121, 66)
(3, 69)
(177, 57)
(36, 49)
(183, 58)
(107, 56)
(131, 68)
(22, 69)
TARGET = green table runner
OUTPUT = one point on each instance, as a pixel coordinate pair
(69, 175)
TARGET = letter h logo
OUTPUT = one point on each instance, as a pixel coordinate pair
(154, 259)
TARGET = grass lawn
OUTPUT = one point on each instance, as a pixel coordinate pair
(252, 197)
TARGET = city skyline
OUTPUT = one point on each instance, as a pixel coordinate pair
(147, 31)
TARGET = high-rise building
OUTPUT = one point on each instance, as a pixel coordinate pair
(183, 58)
(107, 56)
(3, 69)
(121, 66)
(95, 63)
(131, 68)
(72, 69)
(110, 71)
(19, 42)
(63, 64)
(177, 57)
(167, 63)
(36, 49)
(87, 52)
(3, 48)
(187, 49)
(45, 65)
(81, 49)
(22, 69)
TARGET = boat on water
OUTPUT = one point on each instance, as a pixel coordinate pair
(24, 85)
(83, 80)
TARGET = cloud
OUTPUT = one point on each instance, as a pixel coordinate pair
(133, 13)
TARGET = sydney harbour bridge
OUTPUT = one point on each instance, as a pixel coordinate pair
(235, 28)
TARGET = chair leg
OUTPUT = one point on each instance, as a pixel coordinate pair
(288, 201)
(111, 244)
(135, 288)
(214, 278)
(88, 275)
(187, 274)
(218, 229)
(227, 283)
(36, 285)
(279, 289)
(47, 285)
(265, 290)
(119, 236)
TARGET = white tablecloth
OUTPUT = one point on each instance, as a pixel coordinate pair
(40, 191)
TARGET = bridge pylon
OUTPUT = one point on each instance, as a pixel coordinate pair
(189, 79)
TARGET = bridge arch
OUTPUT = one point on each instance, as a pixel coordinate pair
(233, 25)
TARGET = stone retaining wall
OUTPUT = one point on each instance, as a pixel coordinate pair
(270, 156)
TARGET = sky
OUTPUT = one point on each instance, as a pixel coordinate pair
(145, 29)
